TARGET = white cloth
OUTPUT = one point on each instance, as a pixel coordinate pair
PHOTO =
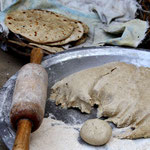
(130, 33)
(97, 14)
(116, 10)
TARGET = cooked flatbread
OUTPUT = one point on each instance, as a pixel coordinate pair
(48, 48)
(76, 34)
(39, 26)
(86, 28)
(80, 41)
(120, 90)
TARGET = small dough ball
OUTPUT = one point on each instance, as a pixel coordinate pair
(96, 132)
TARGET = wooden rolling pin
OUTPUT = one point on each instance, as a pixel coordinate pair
(29, 98)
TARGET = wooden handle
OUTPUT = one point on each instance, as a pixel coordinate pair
(36, 55)
(23, 135)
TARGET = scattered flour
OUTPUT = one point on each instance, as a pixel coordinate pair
(56, 135)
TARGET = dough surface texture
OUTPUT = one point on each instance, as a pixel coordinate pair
(120, 90)
(96, 132)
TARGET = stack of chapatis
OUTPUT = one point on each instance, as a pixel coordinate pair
(46, 29)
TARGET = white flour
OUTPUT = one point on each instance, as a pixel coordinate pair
(56, 135)
(5, 92)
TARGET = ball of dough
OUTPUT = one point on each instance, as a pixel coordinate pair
(96, 132)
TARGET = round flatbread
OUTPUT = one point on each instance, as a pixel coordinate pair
(39, 26)
(86, 28)
(48, 48)
(76, 34)
(80, 41)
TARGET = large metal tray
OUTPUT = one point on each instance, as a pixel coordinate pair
(59, 66)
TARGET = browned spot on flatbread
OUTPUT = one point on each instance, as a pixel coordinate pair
(9, 18)
(35, 33)
(36, 23)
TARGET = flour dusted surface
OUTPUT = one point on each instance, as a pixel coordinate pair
(56, 135)
(31, 85)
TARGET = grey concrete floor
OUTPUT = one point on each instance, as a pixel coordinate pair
(10, 63)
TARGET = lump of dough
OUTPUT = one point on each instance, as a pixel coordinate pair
(96, 132)
(124, 98)
(74, 90)
(120, 90)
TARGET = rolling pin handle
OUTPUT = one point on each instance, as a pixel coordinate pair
(23, 135)
(36, 55)
(24, 126)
